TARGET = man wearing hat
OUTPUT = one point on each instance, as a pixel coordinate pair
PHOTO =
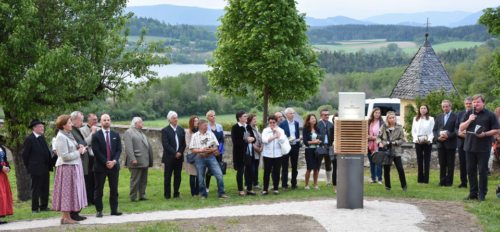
(38, 161)
(174, 143)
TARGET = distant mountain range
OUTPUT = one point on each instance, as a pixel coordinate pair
(202, 16)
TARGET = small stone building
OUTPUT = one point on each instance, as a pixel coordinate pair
(424, 74)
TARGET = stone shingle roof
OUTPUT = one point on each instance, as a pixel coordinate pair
(424, 75)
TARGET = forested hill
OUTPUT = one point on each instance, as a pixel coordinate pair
(330, 34)
(323, 35)
(157, 28)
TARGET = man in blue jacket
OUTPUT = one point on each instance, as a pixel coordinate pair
(291, 128)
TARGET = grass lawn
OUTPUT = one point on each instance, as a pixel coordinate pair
(487, 212)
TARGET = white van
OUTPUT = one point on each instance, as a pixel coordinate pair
(385, 105)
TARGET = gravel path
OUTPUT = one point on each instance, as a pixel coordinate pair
(375, 216)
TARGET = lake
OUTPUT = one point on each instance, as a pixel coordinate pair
(173, 70)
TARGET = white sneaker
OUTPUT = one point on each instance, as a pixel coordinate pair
(307, 187)
(208, 190)
(379, 182)
(316, 187)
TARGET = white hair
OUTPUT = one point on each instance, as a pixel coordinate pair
(289, 110)
(171, 114)
(76, 114)
(135, 120)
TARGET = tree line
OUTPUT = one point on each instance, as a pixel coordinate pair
(331, 34)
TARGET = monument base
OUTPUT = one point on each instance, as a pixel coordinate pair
(350, 181)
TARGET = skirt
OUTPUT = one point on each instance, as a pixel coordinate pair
(5, 196)
(69, 189)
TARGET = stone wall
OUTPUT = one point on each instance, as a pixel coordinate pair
(154, 135)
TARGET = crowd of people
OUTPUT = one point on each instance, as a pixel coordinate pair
(85, 155)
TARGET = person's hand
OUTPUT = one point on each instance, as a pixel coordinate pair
(381, 145)
(110, 164)
(482, 135)
(134, 162)
(178, 155)
(472, 117)
(277, 134)
(82, 149)
(461, 134)
(5, 169)
(250, 139)
(93, 129)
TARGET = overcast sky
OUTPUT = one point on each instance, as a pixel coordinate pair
(357, 9)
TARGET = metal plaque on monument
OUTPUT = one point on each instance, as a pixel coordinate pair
(351, 142)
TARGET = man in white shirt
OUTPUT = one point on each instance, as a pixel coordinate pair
(205, 145)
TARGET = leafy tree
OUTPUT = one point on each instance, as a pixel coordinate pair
(491, 18)
(56, 55)
(263, 48)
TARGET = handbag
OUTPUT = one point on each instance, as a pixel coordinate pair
(190, 158)
(321, 151)
(285, 147)
(223, 168)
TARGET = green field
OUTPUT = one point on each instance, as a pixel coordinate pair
(487, 212)
(148, 38)
(407, 46)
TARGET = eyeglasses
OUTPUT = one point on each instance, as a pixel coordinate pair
(272, 122)
(325, 114)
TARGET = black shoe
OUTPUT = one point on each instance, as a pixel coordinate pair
(251, 193)
(116, 213)
(294, 187)
(98, 214)
(35, 211)
(77, 217)
(469, 198)
(143, 199)
(462, 186)
(45, 210)
(3, 222)
(177, 195)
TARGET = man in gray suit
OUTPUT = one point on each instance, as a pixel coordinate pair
(88, 131)
(139, 157)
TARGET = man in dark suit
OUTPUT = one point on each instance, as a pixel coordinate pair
(291, 128)
(107, 147)
(445, 130)
(460, 143)
(39, 162)
(173, 142)
(326, 134)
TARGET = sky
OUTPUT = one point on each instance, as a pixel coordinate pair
(358, 9)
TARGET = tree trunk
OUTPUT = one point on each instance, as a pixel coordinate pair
(15, 139)
(23, 179)
(266, 106)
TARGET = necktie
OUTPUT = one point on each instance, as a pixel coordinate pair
(108, 147)
(446, 118)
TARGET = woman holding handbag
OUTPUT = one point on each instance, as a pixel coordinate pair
(390, 137)
(257, 147)
(421, 132)
(310, 135)
(273, 138)
(374, 123)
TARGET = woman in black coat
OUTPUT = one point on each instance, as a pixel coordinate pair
(243, 154)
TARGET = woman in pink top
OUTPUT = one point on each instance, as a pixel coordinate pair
(374, 124)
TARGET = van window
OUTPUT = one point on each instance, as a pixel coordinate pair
(385, 107)
(366, 108)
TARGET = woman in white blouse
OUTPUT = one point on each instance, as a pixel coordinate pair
(421, 131)
(272, 137)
